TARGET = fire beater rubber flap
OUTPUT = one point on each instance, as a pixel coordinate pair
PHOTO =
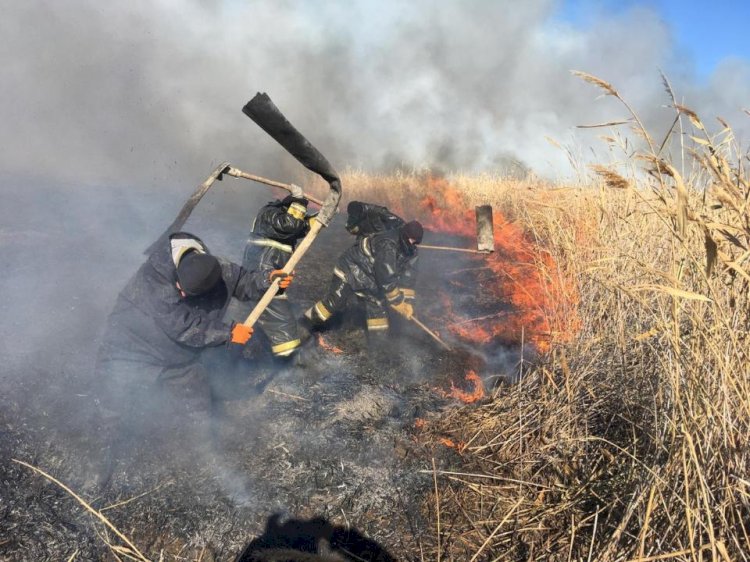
(268, 117)
(485, 230)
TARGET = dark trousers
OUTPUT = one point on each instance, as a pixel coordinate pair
(141, 404)
(336, 299)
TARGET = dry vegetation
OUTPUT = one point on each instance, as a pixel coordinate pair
(628, 441)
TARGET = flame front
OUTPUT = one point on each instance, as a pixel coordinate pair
(519, 276)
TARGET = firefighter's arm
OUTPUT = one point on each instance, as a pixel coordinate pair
(386, 274)
(190, 326)
(241, 283)
(385, 268)
(408, 281)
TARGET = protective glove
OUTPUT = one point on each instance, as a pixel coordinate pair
(285, 279)
(296, 191)
(241, 334)
(404, 309)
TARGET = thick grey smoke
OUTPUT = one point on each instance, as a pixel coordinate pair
(151, 91)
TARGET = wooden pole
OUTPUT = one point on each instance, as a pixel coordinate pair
(450, 249)
(237, 173)
(430, 332)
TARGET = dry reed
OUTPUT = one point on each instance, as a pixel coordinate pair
(628, 442)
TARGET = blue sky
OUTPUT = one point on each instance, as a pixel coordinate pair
(707, 31)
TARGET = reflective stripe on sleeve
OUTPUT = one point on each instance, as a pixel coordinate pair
(393, 295)
(271, 244)
(377, 323)
(365, 245)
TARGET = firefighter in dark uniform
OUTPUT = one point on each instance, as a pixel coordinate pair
(170, 312)
(277, 228)
(166, 322)
(380, 269)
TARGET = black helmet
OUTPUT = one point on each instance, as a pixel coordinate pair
(289, 199)
(198, 273)
(355, 213)
(412, 230)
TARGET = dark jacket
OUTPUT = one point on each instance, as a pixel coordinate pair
(370, 218)
(379, 263)
(152, 324)
(272, 241)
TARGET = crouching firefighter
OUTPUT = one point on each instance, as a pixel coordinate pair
(380, 270)
(277, 228)
(160, 345)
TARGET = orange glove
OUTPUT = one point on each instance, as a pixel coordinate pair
(241, 334)
(404, 309)
(285, 278)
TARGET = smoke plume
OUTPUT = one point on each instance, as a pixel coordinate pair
(150, 92)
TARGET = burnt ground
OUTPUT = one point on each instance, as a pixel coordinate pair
(332, 438)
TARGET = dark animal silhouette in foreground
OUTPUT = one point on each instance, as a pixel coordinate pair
(312, 540)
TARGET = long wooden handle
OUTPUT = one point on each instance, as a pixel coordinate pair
(188, 207)
(450, 249)
(430, 332)
(237, 173)
(288, 268)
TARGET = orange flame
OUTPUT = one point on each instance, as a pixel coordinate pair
(469, 397)
(524, 276)
(452, 444)
(329, 346)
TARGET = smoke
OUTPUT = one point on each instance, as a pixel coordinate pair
(151, 92)
(112, 111)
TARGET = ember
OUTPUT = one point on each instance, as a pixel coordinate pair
(329, 346)
(469, 397)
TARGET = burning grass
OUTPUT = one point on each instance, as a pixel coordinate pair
(535, 302)
(628, 439)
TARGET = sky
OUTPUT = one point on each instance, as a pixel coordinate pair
(707, 32)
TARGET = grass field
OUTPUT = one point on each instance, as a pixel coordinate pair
(627, 439)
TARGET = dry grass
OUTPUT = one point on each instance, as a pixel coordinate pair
(628, 442)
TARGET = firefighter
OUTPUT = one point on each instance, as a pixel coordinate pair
(162, 341)
(171, 311)
(277, 228)
(379, 269)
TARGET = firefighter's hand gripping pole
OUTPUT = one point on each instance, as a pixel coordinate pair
(268, 117)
